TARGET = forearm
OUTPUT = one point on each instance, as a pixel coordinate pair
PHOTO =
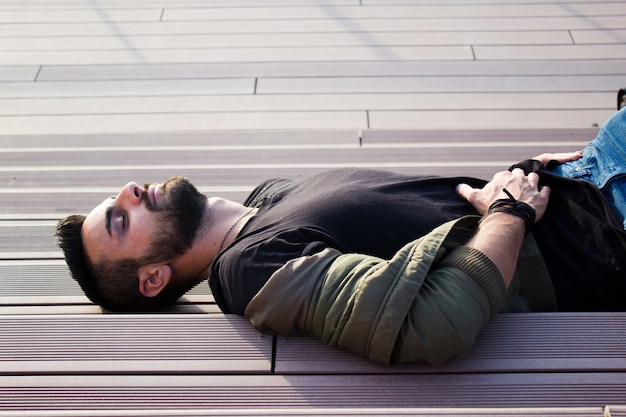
(506, 221)
(500, 237)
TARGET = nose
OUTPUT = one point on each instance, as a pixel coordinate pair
(132, 192)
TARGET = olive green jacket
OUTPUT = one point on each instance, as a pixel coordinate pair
(427, 303)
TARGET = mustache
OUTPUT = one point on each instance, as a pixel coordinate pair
(176, 179)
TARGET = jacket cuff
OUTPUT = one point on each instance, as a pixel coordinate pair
(483, 271)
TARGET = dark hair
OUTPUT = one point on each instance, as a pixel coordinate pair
(112, 285)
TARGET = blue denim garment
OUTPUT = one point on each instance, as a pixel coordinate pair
(604, 163)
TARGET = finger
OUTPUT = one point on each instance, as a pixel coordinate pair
(518, 172)
(533, 179)
(569, 156)
(464, 191)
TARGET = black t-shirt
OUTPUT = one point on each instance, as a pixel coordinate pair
(583, 244)
(354, 211)
(377, 212)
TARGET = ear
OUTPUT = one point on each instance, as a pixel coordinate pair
(153, 278)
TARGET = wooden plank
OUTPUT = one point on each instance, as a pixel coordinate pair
(244, 141)
(26, 73)
(127, 88)
(307, 102)
(62, 307)
(392, 11)
(282, 40)
(460, 84)
(615, 411)
(131, 344)
(307, 393)
(419, 119)
(532, 342)
(581, 37)
(280, 54)
(384, 155)
(192, 299)
(48, 282)
(470, 2)
(86, 15)
(325, 69)
(565, 136)
(496, 119)
(134, 4)
(374, 24)
(38, 279)
(184, 121)
(514, 53)
(335, 412)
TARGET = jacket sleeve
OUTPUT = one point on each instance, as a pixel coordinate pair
(427, 303)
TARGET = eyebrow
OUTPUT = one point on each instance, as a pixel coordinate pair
(107, 219)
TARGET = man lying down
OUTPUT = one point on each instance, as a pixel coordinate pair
(392, 267)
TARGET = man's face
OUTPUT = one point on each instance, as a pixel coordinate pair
(157, 222)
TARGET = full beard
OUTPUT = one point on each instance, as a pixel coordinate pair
(180, 218)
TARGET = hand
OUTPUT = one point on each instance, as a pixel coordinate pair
(523, 188)
(561, 157)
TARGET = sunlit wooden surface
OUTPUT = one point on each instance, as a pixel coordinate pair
(96, 93)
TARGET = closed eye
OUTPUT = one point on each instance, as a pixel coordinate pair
(121, 221)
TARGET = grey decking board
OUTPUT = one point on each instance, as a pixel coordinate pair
(296, 39)
(198, 121)
(323, 69)
(127, 344)
(16, 163)
(316, 25)
(400, 100)
(275, 54)
(143, 88)
(524, 52)
(61, 307)
(138, 4)
(308, 392)
(86, 15)
(362, 412)
(495, 10)
(26, 73)
(489, 119)
(178, 138)
(598, 36)
(317, 138)
(450, 84)
(552, 342)
(472, 136)
(35, 281)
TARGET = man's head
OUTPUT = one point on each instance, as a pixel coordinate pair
(121, 252)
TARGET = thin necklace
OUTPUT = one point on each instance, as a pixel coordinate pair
(232, 227)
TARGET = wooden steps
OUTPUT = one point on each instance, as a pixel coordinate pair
(59, 355)
(229, 94)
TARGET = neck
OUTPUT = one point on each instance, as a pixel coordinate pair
(222, 223)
